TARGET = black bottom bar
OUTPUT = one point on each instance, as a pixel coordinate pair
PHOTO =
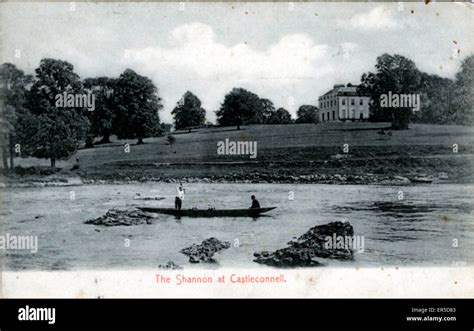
(228, 314)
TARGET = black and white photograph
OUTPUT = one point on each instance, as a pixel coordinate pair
(236, 149)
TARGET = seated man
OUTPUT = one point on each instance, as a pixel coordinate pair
(255, 203)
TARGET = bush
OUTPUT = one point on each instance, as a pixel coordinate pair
(170, 139)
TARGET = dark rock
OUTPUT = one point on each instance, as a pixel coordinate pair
(170, 265)
(311, 245)
(115, 217)
(205, 251)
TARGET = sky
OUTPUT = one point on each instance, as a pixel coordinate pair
(290, 53)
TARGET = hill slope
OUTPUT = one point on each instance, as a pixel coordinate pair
(288, 152)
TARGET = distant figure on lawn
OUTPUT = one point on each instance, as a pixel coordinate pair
(179, 197)
(255, 203)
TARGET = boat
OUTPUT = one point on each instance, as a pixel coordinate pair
(253, 212)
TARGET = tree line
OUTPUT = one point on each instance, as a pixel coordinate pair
(240, 107)
(243, 107)
(32, 124)
(443, 100)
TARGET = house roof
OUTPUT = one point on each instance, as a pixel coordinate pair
(342, 90)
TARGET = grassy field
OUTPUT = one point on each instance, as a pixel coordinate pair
(285, 151)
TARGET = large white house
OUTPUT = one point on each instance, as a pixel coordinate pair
(343, 103)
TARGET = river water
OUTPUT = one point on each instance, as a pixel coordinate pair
(428, 225)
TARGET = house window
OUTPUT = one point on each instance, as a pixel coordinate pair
(343, 102)
(361, 116)
(352, 102)
(361, 102)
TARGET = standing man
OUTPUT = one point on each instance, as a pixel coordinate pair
(255, 203)
(179, 197)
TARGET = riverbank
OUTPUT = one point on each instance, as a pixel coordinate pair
(342, 170)
(413, 171)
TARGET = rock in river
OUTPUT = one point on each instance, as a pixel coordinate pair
(115, 217)
(304, 251)
(205, 251)
(170, 265)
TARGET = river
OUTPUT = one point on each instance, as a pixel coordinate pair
(424, 225)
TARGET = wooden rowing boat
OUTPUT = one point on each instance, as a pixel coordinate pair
(254, 212)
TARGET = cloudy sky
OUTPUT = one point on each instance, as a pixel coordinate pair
(289, 54)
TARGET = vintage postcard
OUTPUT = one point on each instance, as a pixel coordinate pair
(236, 149)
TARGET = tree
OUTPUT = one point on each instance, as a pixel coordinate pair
(48, 131)
(280, 116)
(395, 74)
(138, 105)
(267, 109)
(166, 128)
(188, 112)
(436, 100)
(463, 102)
(102, 118)
(13, 89)
(55, 136)
(240, 107)
(307, 114)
